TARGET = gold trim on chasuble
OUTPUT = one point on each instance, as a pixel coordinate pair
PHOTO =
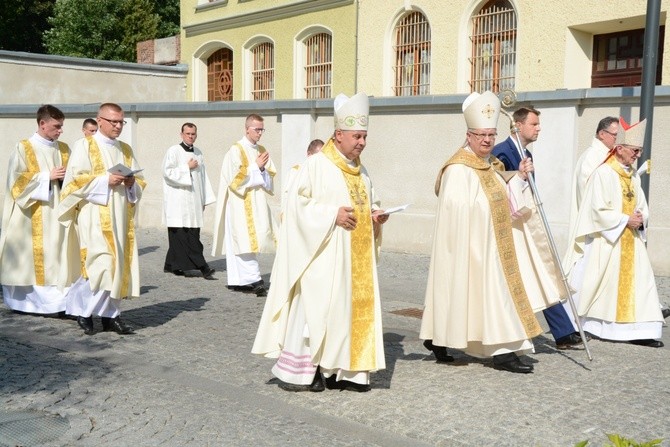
(33, 168)
(625, 305)
(98, 169)
(248, 209)
(362, 346)
(502, 228)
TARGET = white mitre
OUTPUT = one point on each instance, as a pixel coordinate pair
(631, 134)
(352, 113)
(481, 111)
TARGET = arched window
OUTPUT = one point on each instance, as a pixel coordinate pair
(412, 56)
(318, 66)
(263, 71)
(220, 75)
(493, 39)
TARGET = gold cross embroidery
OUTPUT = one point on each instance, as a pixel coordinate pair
(488, 111)
(356, 195)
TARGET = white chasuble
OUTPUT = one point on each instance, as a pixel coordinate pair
(329, 271)
(616, 294)
(34, 247)
(105, 216)
(488, 274)
(242, 204)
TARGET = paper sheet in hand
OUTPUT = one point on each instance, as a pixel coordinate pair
(123, 170)
(397, 209)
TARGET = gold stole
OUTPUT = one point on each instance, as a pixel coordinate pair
(98, 169)
(33, 168)
(502, 228)
(248, 208)
(362, 346)
(625, 307)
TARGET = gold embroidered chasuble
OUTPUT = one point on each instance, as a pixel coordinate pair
(362, 319)
(502, 224)
(114, 267)
(43, 234)
(252, 224)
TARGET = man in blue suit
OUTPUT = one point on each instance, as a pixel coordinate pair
(527, 120)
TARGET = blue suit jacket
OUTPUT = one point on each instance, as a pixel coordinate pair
(508, 154)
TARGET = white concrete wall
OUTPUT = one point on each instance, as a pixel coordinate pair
(409, 140)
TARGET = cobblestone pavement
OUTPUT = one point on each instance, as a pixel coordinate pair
(186, 378)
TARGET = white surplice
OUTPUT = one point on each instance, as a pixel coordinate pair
(185, 191)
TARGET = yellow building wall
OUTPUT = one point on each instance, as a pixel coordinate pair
(340, 21)
(554, 41)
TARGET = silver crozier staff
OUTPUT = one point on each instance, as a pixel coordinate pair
(508, 99)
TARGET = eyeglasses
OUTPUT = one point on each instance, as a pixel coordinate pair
(258, 129)
(614, 134)
(114, 122)
(635, 150)
(481, 136)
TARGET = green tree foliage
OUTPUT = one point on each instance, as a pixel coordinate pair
(168, 10)
(22, 23)
(103, 29)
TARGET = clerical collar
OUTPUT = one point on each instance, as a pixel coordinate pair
(486, 159)
(100, 138)
(186, 147)
(40, 139)
(351, 163)
(247, 142)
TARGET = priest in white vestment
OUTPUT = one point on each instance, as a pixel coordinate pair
(491, 267)
(103, 185)
(34, 247)
(313, 147)
(323, 313)
(610, 269)
(593, 156)
(244, 223)
(186, 192)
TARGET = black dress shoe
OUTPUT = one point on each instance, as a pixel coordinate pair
(441, 355)
(649, 342)
(510, 362)
(86, 323)
(316, 386)
(208, 273)
(257, 287)
(666, 313)
(116, 325)
(260, 290)
(333, 384)
(572, 341)
(174, 272)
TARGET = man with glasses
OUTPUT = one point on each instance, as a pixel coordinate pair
(244, 222)
(102, 186)
(323, 314)
(603, 141)
(33, 246)
(608, 264)
(526, 121)
(486, 278)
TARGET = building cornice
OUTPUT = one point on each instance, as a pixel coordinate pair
(261, 16)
